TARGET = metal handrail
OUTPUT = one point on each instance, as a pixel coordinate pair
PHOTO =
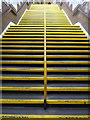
(45, 61)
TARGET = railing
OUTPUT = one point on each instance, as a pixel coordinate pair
(45, 61)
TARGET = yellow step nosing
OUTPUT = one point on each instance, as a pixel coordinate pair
(63, 27)
(41, 46)
(21, 39)
(67, 70)
(82, 89)
(24, 51)
(25, 25)
(41, 22)
(21, 46)
(22, 56)
(43, 30)
(73, 33)
(22, 70)
(21, 101)
(24, 32)
(69, 78)
(69, 101)
(41, 51)
(22, 88)
(47, 35)
(65, 56)
(48, 27)
(23, 35)
(41, 101)
(67, 51)
(68, 42)
(41, 70)
(68, 89)
(43, 39)
(67, 63)
(41, 56)
(71, 117)
(66, 36)
(48, 78)
(22, 62)
(21, 42)
(65, 30)
(67, 39)
(67, 46)
(42, 62)
(21, 78)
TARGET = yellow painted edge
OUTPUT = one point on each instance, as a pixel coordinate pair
(47, 27)
(49, 35)
(22, 62)
(47, 42)
(21, 46)
(21, 56)
(39, 46)
(65, 56)
(48, 51)
(77, 62)
(48, 78)
(47, 30)
(41, 101)
(41, 56)
(22, 39)
(22, 78)
(46, 33)
(67, 46)
(21, 101)
(42, 62)
(68, 43)
(69, 101)
(68, 51)
(42, 89)
(48, 70)
(22, 70)
(44, 116)
(67, 70)
(69, 78)
(24, 51)
(22, 42)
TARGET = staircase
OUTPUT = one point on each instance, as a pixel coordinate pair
(45, 67)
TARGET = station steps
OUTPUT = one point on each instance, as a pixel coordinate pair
(67, 55)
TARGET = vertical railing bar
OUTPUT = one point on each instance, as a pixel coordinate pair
(45, 60)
